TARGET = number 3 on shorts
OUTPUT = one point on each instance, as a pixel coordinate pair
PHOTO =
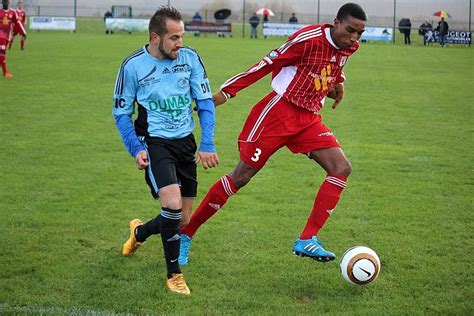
(256, 156)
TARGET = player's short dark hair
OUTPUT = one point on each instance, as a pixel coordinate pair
(158, 20)
(351, 9)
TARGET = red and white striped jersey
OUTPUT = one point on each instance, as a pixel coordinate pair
(304, 69)
(21, 16)
(9, 20)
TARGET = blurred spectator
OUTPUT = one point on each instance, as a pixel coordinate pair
(425, 27)
(442, 28)
(197, 19)
(254, 22)
(405, 28)
(265, 20)
(293, 19)
(108, 15)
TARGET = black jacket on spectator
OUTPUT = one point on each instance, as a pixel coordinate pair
(254, 21)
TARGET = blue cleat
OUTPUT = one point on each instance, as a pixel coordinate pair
(312, 248)
(184, 249)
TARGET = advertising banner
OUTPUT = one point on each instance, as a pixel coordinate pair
(52, 23)
(377, 34)
(207, 27)
(281, 29)
(453, 37)
(128, 25)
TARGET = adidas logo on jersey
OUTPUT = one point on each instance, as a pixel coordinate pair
(166, 71)
(215, 206)
(333, 59)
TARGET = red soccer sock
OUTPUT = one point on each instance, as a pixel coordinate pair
(3, 64)
(325, 202)
(22, 44)
(215, 198)
(10, 44)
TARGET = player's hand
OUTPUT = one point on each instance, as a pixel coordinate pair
(337, 93)
(219, 98)
(141, 160)
(208, 160)
(332, 94)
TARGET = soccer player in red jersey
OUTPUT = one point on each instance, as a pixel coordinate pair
(20, 11)
(8, 19)
(305, 70)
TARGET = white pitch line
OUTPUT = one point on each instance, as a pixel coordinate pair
(30, 309)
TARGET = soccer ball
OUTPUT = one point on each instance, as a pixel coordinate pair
(360, 265)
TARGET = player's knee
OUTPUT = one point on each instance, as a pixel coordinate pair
(240, 179)
(342, 169)
(172, 202)
(242, 174)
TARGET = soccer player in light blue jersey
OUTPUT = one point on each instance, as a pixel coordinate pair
(163, 78)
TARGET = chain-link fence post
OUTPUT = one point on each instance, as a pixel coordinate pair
(470, 13)
(243, 20)
(319, 9)
(394, 19)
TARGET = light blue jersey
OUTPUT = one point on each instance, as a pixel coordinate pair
(164, 90)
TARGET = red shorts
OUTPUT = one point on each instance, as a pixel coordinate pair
(274, 123)
(16, 30)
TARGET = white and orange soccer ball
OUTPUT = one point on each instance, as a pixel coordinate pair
(360, 265)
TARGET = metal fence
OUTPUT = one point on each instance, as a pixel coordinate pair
(383, 13)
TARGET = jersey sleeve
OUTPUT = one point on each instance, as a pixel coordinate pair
(199, 82)
(125, 91)
(123, 107)
(206, 113)
(341, 78)
(285, 55)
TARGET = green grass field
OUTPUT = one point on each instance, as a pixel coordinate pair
(68, 189)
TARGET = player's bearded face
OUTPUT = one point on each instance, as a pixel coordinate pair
(170, 43)
(347, 32)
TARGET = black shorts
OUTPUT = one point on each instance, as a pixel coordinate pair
(171, 161)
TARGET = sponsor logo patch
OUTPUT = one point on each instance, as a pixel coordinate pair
(183, 83)
(174, 105)
(273, 54)
(149, 79)
(181, 68)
